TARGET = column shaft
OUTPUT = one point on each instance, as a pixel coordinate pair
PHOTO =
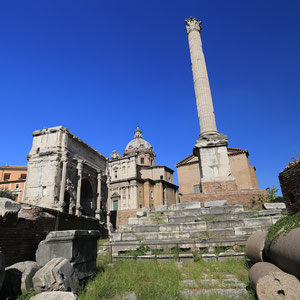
(79, 168)
(63, 185)
(201, 84)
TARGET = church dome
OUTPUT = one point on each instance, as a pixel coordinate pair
(138, 142)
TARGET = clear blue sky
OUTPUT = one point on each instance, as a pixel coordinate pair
(99, 67)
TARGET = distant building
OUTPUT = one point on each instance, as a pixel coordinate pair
(13, 178)
(189, 172)
(135, 181)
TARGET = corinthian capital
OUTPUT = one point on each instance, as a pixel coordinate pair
(192, 24)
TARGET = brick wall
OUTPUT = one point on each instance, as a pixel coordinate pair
(289, 180)
(123, 215)
(19, 243)
(243, 197)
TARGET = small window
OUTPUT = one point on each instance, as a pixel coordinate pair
(197, 189)
(6, 176)
(161, 177)
(116, 174)
(17, 185)
(142, 160)
(23, 176)
(141, 206)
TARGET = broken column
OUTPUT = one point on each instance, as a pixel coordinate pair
(78, 246)
(255, 246)
(211, 146)
(284, 252)
(272, 283)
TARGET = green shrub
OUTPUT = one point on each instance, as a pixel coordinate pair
(7, 194)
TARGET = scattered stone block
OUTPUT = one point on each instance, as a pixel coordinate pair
(78, 246)
(18, 278)
(55, 296)
(209, 204)
(209, 282)
(57, 275)
(231, 255)
(278, 205)
(9, 210)
(209, 257)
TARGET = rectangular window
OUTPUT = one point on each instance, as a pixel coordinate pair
(23, 176)
(6, 176)
(197, 189)
(142, 160)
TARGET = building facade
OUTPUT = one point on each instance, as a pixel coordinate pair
(189, 172)
(135, 181)
(65, 173)
(13, 179)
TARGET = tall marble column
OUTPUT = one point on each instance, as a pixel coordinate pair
(211, 146)
(79, 180)
(205, 107)
(63, 181)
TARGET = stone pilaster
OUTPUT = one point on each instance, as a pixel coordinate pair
(79, 180)
(63, 181)
(99, 196)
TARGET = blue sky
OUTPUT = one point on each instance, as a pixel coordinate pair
(99, 67)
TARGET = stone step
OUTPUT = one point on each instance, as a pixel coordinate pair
(227, 241)
(184, 234)
(190, 224)
(198, 211)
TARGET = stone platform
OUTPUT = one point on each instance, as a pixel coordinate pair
(189, 228)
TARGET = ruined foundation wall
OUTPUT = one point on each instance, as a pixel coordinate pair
(233, 197)
(19, 243)
(123, 215)
(290, 186)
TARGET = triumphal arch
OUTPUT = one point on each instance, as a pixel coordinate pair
(65, 173)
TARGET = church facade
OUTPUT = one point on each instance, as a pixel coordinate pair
(135, 181)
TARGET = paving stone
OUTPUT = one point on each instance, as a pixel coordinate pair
(269, 212)
(185, 205)
(161, 207)
(179, 265)
(234, 293)
(133, 221)
(260, 221)
(209, 282)
(190, 283)
(224, 256)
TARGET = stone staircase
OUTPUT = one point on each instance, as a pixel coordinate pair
(188, 226)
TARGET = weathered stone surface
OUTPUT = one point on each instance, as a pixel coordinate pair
(78, 246)
(133, 221)
(224, 256)
(186, 205)
(209, 204)
(209, 257)
(161, 207)
(274, 205)
(255, 246)
(2, 268)
(271, 283)
(55, 296)
(18, 278)
(9, 210)
(57, 275)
